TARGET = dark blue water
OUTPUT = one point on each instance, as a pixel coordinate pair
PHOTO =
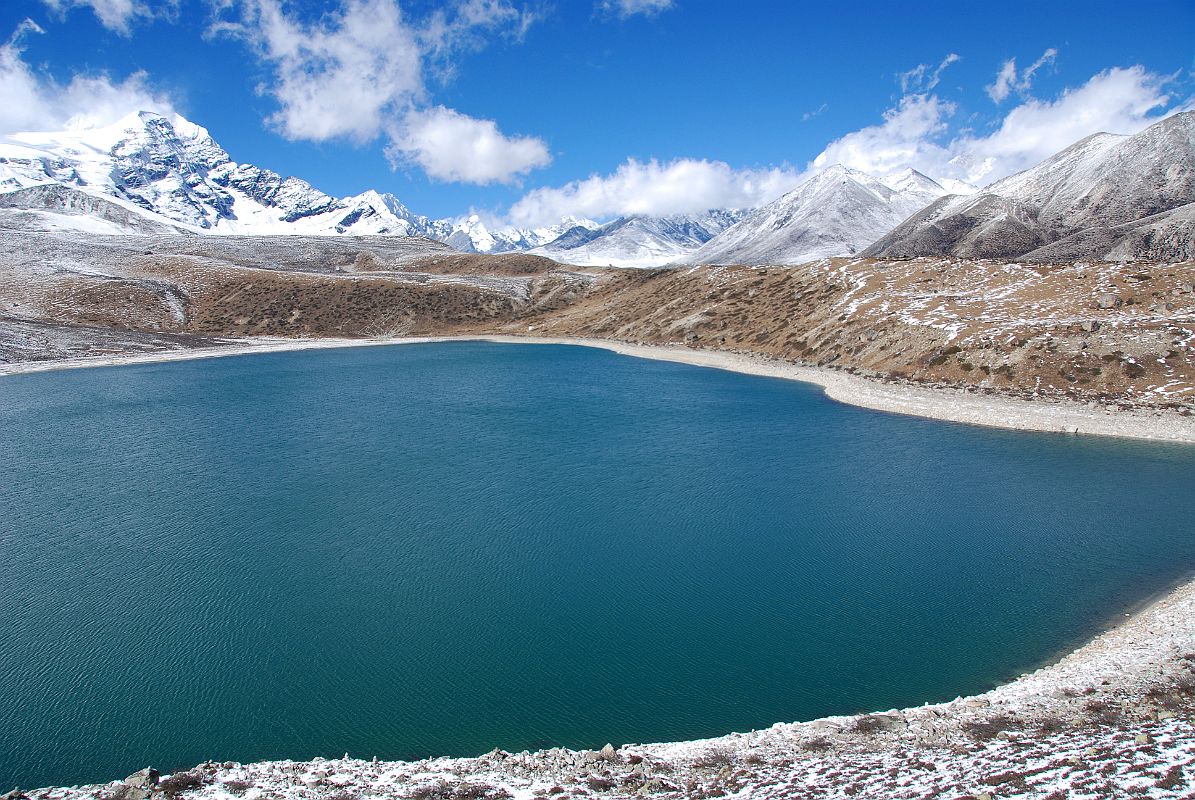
(441, 549)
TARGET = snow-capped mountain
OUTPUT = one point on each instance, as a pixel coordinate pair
(638, 241)
(837, 212)
(1107, 196)
(470, 235)
(170, 172)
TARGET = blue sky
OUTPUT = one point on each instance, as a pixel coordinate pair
(528, 110)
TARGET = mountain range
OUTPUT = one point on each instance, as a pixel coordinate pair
(837, 212)
(1107, 196)
(169, 173)
(639, 241)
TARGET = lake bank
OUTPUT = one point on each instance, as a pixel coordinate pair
(947, 404)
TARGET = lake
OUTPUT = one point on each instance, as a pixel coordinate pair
(445, 548)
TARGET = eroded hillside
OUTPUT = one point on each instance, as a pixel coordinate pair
(1120, 333)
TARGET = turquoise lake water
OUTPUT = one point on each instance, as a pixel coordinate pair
(446, 548)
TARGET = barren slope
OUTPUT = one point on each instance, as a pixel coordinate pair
(1113, 333)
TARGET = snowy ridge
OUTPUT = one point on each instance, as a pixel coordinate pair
(1106, 197)
(837, 212)
(638, 241)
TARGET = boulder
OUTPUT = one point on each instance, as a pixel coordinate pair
(143, 779)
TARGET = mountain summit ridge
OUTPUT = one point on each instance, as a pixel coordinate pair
(836, 212)
(176, 174)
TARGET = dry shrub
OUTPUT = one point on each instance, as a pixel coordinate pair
(990, 728)
(715, 758)
(180, 782)
(818, 744)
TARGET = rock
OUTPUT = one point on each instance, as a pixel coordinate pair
(608, 753)
(1091, 326)
(15, 794)
(136, 793)
(983, 796)
(1143, 738)
(143, 779)
(1165, 715)
(1107, 300)
(888, 721)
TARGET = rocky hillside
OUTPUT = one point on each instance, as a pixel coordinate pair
(1106, 197)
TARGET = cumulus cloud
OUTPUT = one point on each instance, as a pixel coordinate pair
(684, 185)
(116, 15)
(1008, 79)
(1117, 100)
(359, 73)
(629, 8)
(450, 146)
(32, 101)
(339, 77)
(917, 131)
(924, 77)
(906, 136)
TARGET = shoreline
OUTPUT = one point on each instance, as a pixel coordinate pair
(1125, 660)
(943, 404)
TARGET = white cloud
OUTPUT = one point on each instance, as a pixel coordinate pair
(808, 115)
(450, 146)
(30, 101)
(917, 132)
(1117, 100)
(359, 73)
(924, 77)
(340, 77)
(1007, 78)
(461, 27)
(629, 8)
(905, 137)
(685, 185)
(117, 15)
